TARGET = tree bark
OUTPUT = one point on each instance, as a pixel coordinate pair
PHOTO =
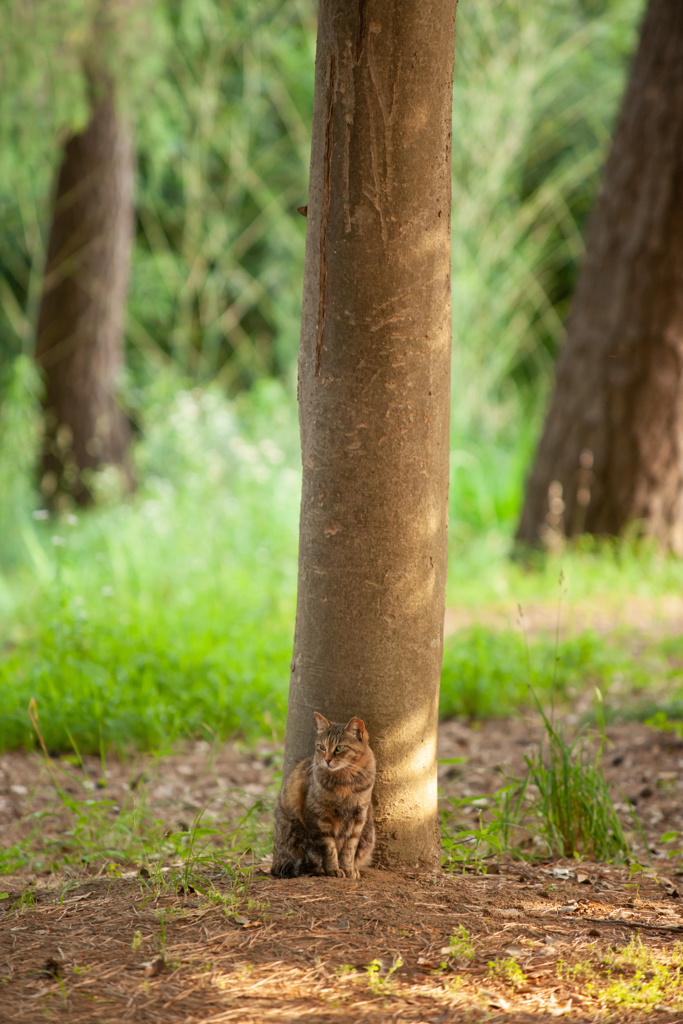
(374, 394)
(612, 450)
(80, 328)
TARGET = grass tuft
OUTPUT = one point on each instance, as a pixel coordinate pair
(573, 807)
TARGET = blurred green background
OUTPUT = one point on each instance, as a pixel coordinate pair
(171, 611)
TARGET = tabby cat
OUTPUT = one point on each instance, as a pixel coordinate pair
(324, 823)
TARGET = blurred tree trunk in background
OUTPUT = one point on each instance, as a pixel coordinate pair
(80, 329)
(374, 393)
(612, 450)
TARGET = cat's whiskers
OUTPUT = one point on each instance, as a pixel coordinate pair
(338, 767)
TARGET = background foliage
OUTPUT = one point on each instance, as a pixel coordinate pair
(185, 593)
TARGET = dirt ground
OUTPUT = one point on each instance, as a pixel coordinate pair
(321, 950)
(644, 615)
(528, 941)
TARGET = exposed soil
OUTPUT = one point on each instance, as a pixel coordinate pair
(543, 940)
(323, 949)
(649, 616)
(643, 766)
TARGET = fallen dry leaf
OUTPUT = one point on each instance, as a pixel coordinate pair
(153, 968)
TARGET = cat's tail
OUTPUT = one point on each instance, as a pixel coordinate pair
(286, 867)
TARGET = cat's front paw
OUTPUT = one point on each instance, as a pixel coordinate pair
(334, 872)
(352, 872)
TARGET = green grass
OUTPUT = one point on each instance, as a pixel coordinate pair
(147, 684)
(79, 828)
(641, 978)
(171, 613)
(637, 977)
(140, 636)
(573, 808)
(610, 570)
(168, 614)
(488, 673)
(561, 807)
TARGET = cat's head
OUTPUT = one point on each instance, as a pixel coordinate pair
(340, 746)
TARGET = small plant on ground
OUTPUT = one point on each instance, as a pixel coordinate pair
(645, 978)
(662, 723)
(507, 971)
(380, 978)
(468, 847)
(460, 944)
(669, 837)
(26, 901)
(562, 803)
(573, 808)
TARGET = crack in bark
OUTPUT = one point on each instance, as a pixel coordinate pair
(348, 99)
(325, 216)
(362, 29)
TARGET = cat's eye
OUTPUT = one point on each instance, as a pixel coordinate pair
(339, 749)
(321, 746)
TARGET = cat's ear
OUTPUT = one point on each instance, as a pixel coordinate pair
(357, 727)
(323, 724)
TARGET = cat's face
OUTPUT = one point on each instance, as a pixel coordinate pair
(340, 746)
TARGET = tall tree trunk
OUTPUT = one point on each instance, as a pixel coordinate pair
(374, 393)
(80, 328)
(612, 450)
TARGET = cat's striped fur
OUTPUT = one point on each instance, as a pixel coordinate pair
(324, 823)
